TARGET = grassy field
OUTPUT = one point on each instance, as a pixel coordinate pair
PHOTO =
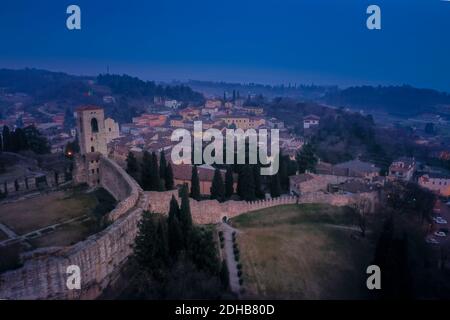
(31, 214)
(66, 235)
(303, 252)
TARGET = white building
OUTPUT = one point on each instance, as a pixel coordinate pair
(310, 121)
(172, 104)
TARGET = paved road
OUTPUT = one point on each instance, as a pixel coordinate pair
(229, 257)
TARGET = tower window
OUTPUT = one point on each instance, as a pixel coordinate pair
(94, 125)
(92, 149)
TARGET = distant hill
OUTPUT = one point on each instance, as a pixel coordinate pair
(43, 84)
(400, 100)
(133, 87)
(61, 92)
(211, 88)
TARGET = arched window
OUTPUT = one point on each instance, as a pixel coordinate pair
(94, 125)
(92, 149)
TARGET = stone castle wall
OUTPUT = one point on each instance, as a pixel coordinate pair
(212, 211)
(28, 184)
(99, 257)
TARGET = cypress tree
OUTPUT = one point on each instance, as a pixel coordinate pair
(162, 167)
(195, 184)
(246, 184)
(256, 169)
(176, 242)
(217, 186)
(146, 175)
(149, 250)
(275, 187)
(229, 182)
(155, 184)
(132, 165)
(185, 213)
(6, 138)
(168, 179)
(306, 159)
(283, 172)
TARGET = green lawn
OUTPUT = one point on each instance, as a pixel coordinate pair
(66, 235)
(303, 252)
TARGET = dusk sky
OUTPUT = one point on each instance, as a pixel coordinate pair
(262, 41)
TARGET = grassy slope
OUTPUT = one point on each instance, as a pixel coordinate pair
(303, 252)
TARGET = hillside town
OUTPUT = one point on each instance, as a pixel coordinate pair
(337, 162)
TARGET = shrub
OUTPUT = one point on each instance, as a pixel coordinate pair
(236, 251)
(236, 257)
(239, 266)
(241, 281)
(239, 273)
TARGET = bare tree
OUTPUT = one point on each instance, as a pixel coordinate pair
(362, 206)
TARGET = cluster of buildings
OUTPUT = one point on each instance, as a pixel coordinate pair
(357, 176)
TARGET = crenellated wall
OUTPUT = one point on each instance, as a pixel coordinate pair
(212, 211)
(27, 184)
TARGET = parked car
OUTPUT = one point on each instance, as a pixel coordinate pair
(440, 220)
(440, 234)
(431, 240)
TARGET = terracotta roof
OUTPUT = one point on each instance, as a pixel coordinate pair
(86, 108)
(311, 117)
(184, 172)
(301, 178)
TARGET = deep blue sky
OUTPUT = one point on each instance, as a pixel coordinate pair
(264, 41)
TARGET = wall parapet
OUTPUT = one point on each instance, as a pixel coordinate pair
(213, 211)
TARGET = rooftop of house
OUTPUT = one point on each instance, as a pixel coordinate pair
(88, 107)
(299, 178)
(311, 117)
(184, 172)
(403, 164)
(359, 166)
(355, 186)
(436, 175)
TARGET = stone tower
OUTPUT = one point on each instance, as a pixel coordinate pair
(92, 139)
(91, 130)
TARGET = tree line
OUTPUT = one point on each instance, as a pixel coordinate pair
(134, 87)
(157, 175)
(174, 259)
(28, 138)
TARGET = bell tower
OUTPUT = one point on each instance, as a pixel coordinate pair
(92, 139)
(91, 130)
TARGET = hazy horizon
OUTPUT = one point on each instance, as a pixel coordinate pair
(321, 42)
